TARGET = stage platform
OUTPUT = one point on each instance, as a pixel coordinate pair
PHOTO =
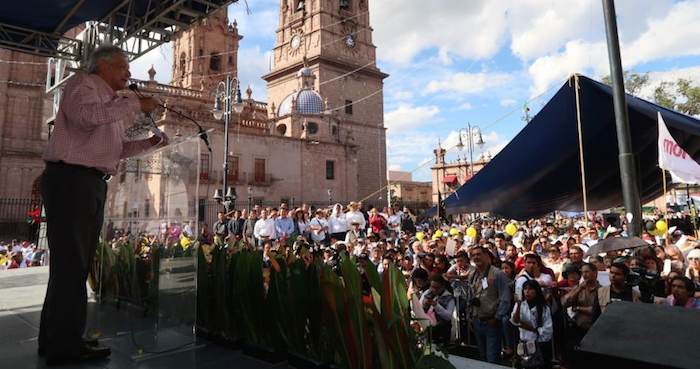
(22, 293)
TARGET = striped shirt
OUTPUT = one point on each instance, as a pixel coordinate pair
(90, 125)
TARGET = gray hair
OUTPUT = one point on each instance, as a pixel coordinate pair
(102, 52)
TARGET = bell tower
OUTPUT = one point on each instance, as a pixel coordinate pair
(205, 53)
(335, 38)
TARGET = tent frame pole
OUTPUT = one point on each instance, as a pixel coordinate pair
(628, 172)
(584, 189)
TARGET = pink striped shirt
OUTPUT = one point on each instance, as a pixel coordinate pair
(90, 125)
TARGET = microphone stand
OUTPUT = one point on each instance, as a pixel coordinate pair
(201, 132)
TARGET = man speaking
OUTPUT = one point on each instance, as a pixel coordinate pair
(83, 153)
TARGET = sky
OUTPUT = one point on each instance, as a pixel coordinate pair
(480, 62)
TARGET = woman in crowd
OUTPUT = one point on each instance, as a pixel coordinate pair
(534, 319)
(376, 221)
(693, 271)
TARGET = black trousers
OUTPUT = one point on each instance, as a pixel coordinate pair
(74, 199)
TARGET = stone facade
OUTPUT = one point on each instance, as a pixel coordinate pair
(403, 188)
(23, 134)
(332, 152)
(335, 39)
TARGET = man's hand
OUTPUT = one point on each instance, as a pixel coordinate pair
(161, 140)
(148, 104)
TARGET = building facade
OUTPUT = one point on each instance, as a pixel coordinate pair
(403, 190)
(447, 177)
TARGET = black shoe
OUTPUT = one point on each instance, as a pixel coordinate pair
(41, 351)
(87, 353)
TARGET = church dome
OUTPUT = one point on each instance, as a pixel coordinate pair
(307, 102)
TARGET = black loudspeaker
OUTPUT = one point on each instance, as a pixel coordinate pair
(638, 335)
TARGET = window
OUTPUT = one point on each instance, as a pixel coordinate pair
(230, 60)
(345, 4)
(214, 62)
(201, 207)
(348, 107)
(282, 129)
(122, 176)
(259, 170)
(233, 168)
(204, 166)
(301, 6)
(311, 128)
(138, 170)
(330, 169)
(201, 52)
(334, 131)
(124, 214)
(182, 65)
(147, 208)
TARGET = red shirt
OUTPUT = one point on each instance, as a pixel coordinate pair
(377, 222)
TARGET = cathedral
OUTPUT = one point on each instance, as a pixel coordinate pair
(320, 138)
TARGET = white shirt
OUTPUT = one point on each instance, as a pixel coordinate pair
(355, 216)
(338, 224)
(395, 222)
(302, 226)
(529, 315)
(545, 280)
(318, 235)
(264, 227)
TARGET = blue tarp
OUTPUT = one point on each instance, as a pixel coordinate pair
(539, 172)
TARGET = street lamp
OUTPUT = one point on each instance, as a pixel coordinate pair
(226, 100)
(250, 198)
(474, 137)
(330, 197)
(228, 200)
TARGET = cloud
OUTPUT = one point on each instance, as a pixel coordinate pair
(253, 63)
(407, 117)
(577, 57)
(405, 28)
(464, 106)
(508, 102)
(650, 30)
(677, 34)
(468, 83)
(395, 167)
(162, 60)
(671, 75)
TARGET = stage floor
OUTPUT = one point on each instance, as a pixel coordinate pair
(22, 293)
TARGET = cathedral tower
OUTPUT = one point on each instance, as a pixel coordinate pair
(335, 39)
(205, 53)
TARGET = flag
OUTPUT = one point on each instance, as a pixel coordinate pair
(672, 157)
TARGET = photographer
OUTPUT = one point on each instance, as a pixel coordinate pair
(441, 301)
(619, 289)
(490, 303)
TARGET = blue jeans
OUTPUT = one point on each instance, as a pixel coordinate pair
(489, 340)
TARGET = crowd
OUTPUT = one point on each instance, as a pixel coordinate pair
(526, 291)
(521, 290)
(16, 254)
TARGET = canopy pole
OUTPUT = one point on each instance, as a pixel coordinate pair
(584, 189)
(628, 172)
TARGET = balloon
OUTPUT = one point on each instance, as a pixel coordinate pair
(471, 232)
(454, 232)
(511, 229)
(661, 227)
(420, 236)
(650, 226)
(438, 234)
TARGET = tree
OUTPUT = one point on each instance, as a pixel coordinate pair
(633, 81)
(680, 95)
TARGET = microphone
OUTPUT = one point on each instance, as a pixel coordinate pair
(202, 133)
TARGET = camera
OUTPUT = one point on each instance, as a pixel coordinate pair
(646, 281)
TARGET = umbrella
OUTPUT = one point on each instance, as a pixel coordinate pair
(616, 243)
